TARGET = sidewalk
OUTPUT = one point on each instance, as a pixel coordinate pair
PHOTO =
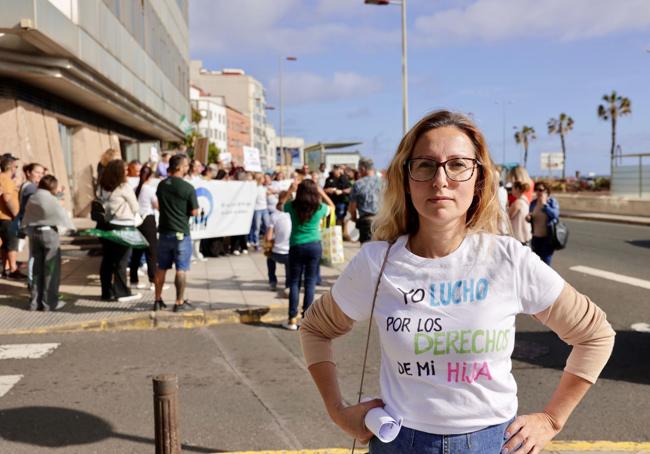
(224, 290)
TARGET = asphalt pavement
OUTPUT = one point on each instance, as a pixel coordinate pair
(245, 387)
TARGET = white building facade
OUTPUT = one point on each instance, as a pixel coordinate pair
(243, 93)
(213, 124)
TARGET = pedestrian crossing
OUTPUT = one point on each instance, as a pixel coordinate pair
(19, 352)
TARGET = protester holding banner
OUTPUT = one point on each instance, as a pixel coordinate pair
(121, 209)
(148, 202)
(305, 249)
(260, 215)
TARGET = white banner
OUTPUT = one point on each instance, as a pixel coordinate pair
(252, 161)
(225, 208)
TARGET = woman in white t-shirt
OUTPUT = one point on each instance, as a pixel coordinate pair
(261, 213)
(148, 203)
(445, 307)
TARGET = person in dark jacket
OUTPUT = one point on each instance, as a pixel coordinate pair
(544, 214)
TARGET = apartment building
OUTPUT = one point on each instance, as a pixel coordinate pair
(213, 123)
(239, 134)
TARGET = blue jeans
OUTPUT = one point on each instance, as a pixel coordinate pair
(270, 265)
(543, 246)
(303, 258)
(485, 441)
(172, 251)
(260, 218)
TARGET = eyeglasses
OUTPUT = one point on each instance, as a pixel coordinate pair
(456, 169)
(540, 190)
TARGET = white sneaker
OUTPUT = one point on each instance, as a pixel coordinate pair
(141, 285)
(286, 292)
(59, 305)
(127, 299)
(245, 251)
(291, 325)
(235, 252)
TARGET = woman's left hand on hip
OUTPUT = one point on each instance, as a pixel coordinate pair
(529, 434)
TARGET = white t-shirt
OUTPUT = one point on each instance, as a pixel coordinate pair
(260, 201)
(447, 326)
(281, 223)
(146, 199)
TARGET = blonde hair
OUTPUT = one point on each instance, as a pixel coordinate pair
(519, 173)
(109, 155)
(398, 216)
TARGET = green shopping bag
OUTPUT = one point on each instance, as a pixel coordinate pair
(129, 236)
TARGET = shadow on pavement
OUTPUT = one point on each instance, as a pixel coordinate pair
(640, 243)
(55, 427)
(629, 360)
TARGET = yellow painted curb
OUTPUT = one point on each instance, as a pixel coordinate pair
(160, 320)
(607, 446)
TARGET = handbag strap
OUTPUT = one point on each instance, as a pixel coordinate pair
(372, 311)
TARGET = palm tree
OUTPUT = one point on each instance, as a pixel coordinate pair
(616, 106)
(524, 136)
(561, 125)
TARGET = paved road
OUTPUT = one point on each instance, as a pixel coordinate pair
(246, 388)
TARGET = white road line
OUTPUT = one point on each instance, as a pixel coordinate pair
(7, 382)
(612, 276)
(641, 327)
(26, 351)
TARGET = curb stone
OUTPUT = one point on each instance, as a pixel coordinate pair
(165, 320)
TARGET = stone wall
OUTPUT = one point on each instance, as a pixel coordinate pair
(603, 204)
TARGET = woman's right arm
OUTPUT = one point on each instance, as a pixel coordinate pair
(323, 322)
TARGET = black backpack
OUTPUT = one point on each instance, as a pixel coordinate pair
(97, 211)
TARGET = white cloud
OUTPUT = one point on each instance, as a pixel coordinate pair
(304, 87)
(278, 26)
(497, 20)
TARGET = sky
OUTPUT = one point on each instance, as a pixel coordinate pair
(538, 57)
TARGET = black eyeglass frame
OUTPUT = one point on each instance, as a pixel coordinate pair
(442, 164)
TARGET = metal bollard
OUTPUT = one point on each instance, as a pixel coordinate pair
(165, 404)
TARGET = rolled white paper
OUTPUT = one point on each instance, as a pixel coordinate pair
(382, 424)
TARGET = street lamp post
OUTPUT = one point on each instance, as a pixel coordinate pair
(402, 3)
(282, 156)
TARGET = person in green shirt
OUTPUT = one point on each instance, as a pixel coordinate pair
(177, 202)
(305, 249)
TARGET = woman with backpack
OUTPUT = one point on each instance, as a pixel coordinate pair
(148, 202)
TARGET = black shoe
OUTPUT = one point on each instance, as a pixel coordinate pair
(185, 307)
(17, 274)
(159, 305)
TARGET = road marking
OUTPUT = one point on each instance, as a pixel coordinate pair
(7, 382)
(641, 327)
(26, 351)
(612, 276)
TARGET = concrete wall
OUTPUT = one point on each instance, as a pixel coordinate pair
(603, 204)
(32, 134)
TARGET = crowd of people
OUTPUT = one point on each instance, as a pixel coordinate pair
(31, 206)
(286, 224)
